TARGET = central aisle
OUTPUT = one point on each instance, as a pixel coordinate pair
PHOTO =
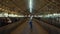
(25, 29)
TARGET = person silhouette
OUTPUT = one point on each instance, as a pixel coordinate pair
(30, 24)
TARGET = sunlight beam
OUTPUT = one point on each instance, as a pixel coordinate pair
(30, 5)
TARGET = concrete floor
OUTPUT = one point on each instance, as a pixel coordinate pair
(25, 29)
